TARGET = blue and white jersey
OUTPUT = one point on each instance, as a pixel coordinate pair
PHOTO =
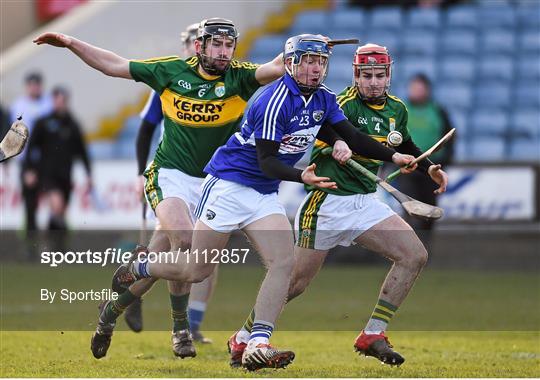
(281, 113)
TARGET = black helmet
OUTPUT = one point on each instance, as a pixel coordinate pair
(208, 29)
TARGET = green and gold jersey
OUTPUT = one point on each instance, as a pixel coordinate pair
(200, 112)
(376, 121)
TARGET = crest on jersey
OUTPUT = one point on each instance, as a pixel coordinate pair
(306, 232)
(220, 89)
(210, 214)
(318, 115)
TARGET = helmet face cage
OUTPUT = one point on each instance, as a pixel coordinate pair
(311, 50)
(302, 78)
(210, 30)
(368, 58)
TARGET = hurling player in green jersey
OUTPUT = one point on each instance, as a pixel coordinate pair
(351, 213)
(152, 116)
(203, 100)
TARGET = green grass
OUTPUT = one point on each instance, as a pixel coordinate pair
(319, 354)
(454, 324)
(340, 298)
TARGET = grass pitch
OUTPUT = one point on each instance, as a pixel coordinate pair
(454, 324)
(319, 354)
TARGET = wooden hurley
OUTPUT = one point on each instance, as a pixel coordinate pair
(410, 205)
(438, 145)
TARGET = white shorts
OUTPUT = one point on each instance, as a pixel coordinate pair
(325, 221)
(226, 206)
(162, 183)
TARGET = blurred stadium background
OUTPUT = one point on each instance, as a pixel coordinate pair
(483, 58)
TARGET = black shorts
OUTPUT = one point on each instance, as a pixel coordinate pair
(60, 184)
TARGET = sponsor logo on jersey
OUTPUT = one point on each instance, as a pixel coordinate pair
(299, 141)
(200, 113)
(296, 143)
(318, 115)
(220, 89)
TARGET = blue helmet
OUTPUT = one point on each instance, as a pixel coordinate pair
(306, 44)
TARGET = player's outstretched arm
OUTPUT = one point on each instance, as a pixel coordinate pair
(270, 71)
(103, 60)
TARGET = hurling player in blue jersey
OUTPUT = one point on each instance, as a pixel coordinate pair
(240, 191)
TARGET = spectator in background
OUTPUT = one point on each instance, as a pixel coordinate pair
(428, 122)
(57, 141)
(33, 105)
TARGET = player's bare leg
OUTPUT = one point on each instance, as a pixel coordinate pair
(173, 215)
(395, 240)
(178, 292)
(174, 265)
(175, 220)
(199, 295)
(193, 271)
(159, 242)
(204, 238)
(272, 237)
(307, 263)
(109, 311)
